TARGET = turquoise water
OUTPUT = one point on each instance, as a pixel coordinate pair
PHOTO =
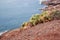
(14, 12)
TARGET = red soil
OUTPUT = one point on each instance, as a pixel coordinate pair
(43, 31)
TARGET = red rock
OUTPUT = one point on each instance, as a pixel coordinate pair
(44, 31)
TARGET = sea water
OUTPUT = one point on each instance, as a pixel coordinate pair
(14, 12)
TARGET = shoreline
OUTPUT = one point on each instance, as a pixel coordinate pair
(3, 32)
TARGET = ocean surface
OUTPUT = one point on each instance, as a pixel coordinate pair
(14, 12)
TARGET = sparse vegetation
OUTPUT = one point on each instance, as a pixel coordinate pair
(41, 18)
(34, 19)
(56, 14)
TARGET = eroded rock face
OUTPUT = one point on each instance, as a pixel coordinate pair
(52, 5)
(45, 31)
(51, 2)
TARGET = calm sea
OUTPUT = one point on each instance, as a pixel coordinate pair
(14, 12)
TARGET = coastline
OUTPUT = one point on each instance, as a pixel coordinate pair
(3, 32)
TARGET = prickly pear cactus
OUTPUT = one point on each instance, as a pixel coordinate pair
(45, 16)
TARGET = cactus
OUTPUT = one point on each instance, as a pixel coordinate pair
(41, 18)
(24, 24)
(34, 22)
(47, 18)
(34, 19)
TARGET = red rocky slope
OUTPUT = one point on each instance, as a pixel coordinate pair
(43, 31)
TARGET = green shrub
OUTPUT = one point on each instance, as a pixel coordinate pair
(24, 24)
(34, 22)
(34, 19)
(43, 17)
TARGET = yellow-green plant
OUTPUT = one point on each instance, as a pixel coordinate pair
(24, 24)
(34, 22)
(34, 19)
(41, 18)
